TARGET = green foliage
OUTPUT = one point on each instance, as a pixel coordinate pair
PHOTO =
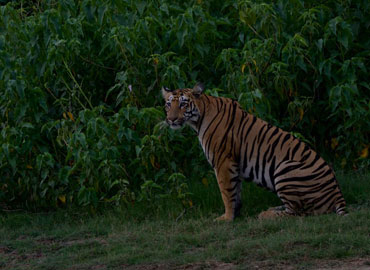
(80, 106)
(306, 64)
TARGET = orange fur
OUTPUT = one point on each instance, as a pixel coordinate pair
(240, 146)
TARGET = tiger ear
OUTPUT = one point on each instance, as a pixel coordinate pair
(198, 89)
(165, 92)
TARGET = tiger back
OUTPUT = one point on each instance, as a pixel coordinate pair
(240, 146)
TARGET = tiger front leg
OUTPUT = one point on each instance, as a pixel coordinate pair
(230, 187)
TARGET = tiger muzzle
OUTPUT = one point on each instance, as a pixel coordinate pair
(175, 123)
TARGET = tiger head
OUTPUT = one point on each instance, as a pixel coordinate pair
(181, 105)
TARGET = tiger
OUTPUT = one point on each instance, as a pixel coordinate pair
(240, 146)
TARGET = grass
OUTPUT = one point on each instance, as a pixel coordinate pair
(161, 237)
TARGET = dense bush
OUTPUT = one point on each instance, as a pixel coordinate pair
(80, 102)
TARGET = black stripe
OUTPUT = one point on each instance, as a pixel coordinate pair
(258, 159)
(244, 124)
(326, 173)
(313, 161)
(257, 165)
(299, 178)
(295, 149)
(286, 138)
(235, 179)
(233, 148)
(306, 148)
(264, 135)
(260, 132)
(232, 188)
(252, 150)
(218, 108)
(286, 156)
(224, 139)
(250, 127)
(250, 177)
(264, 166)
(310, 188)
(208, 142)
(304, 158)
(274, 144)
(201, 117)
(320, 188)
(288, 169)
(326, 199)
(213, 119)
(245, 157)
(320, 167)
(221, 102)
(271, 172)
(273, 134)
(240, 123)
(294, 193)
(331, 205)
(214, 154)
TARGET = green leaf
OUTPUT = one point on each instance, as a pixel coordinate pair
(27, 125)
(319, 44)
(333, 25)
(301, 40)
(181, 36)
(101, 12)
(140, 5)
(164, 8)
(64, 174)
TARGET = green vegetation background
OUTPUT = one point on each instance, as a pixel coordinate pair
(80, 105)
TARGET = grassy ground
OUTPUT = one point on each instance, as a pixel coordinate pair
(166, 237)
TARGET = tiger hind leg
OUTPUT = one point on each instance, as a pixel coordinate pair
(308, 190)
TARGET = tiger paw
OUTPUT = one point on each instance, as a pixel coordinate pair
(224, 218)
(269, 214)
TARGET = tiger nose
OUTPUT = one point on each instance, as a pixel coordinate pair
(172, 119)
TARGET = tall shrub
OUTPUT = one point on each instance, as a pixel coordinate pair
(79, 89)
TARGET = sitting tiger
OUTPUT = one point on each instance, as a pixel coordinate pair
(240, 146)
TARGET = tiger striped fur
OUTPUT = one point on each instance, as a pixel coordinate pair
(240, 146)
